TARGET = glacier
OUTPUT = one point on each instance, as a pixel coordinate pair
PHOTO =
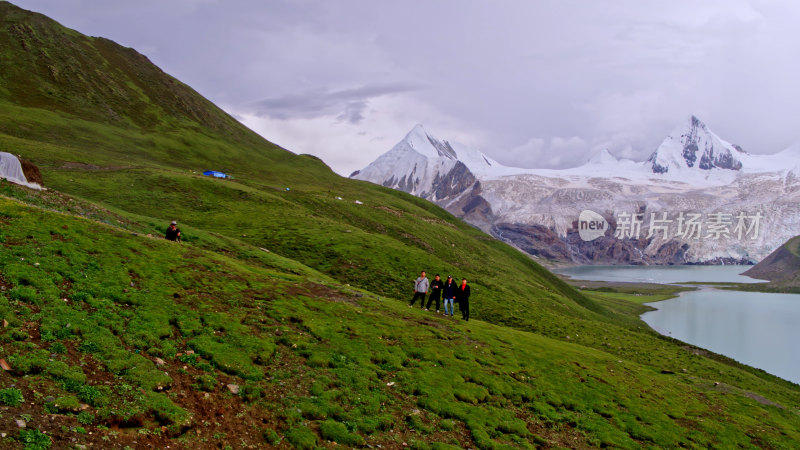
(738, 206)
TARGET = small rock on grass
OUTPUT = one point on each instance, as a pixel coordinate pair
(21, 423)
(234, 388)
(159, 361)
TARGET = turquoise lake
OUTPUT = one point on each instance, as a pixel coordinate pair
(758, 329)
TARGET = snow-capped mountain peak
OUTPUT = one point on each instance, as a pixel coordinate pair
(423, 143)
(691, 146)
(420, 162)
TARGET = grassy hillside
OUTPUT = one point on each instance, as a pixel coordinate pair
(294, 296)
(136, 340)
(781, 268)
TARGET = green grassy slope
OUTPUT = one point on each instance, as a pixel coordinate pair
(146, 168)
(92, 308)
(123, 140)
(48, 66)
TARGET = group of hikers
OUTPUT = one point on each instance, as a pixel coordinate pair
(449, 291)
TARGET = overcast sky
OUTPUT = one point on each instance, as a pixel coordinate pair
(530, 83)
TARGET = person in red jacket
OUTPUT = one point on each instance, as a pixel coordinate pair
(462, 296)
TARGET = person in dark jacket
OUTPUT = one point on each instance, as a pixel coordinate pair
(449, 294)
(173, 232)
(436, 292)
(462, 296)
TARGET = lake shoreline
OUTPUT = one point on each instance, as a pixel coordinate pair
(724, 313)
(649, 292)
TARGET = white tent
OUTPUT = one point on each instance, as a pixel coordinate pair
(11, 170)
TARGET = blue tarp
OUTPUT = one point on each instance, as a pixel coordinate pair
(214, 173)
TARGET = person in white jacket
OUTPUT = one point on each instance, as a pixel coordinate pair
(420, 290)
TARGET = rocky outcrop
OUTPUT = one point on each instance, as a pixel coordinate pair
(458, 180)
(473, 208)
(543, 242)
(672, 252)
(536, 240)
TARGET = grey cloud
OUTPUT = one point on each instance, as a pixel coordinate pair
(353, 112)
(549, 153)
(346, 105)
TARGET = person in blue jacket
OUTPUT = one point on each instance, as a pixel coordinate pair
(449, 295)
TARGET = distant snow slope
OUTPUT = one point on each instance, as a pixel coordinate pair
(705, 199)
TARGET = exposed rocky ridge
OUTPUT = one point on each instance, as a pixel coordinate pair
(540, 241)
(782, 265)
(458, 180)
